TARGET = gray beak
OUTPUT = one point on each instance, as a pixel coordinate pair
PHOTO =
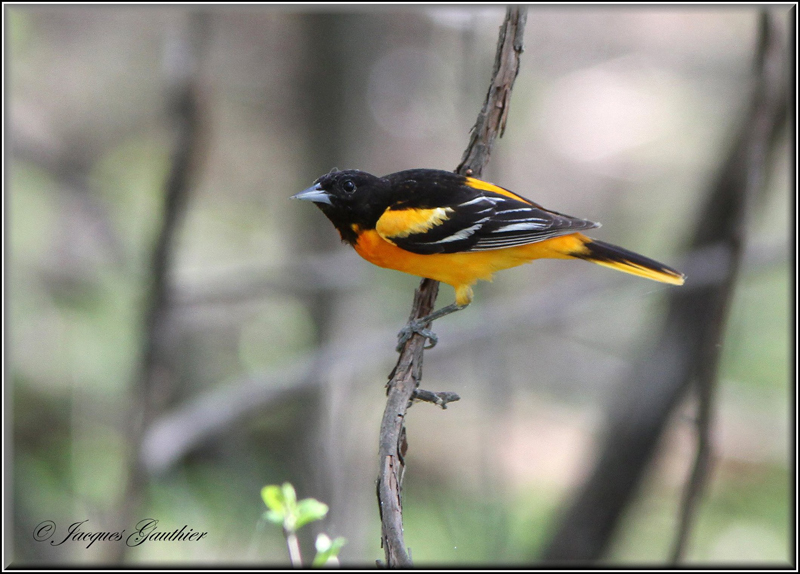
(314, 193)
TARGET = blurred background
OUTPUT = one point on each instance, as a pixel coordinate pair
(181, 334)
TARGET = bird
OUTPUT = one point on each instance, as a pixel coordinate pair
(458, 229)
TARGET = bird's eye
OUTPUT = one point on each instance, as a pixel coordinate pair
(348, 186)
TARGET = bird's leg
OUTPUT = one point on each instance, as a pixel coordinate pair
(418, 326)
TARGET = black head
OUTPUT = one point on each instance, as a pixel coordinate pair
(349, 198)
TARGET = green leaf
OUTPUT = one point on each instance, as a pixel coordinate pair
(289, 496)
(327, 551)
(309, 510)
(273, 498)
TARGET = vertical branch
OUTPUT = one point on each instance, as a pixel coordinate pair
(492, 118)
(407, 374)
(764, 114)
(181, 68)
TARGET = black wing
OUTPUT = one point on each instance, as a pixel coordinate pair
(477, 216)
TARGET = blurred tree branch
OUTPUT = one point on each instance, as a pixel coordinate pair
(172, 435)
(337, 48)
(742, 179)
(689, 346)
(406, 376)
(183, 48)
(338, 271)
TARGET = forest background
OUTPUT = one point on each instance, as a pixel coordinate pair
(265, 344)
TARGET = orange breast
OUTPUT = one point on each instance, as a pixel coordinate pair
(461, 270)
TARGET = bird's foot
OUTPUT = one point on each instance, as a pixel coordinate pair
(416, 327)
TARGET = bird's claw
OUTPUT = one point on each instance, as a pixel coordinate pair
(415, 327)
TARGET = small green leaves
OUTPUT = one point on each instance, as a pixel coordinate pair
(309, 510)
(285, 510)
(327, 551)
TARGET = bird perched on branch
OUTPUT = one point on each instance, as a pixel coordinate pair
(457, 230)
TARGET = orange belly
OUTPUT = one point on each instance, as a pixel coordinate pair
(461, 270)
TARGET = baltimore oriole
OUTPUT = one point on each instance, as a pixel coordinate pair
(457, 230)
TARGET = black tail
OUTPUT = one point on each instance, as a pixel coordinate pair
(623, 260)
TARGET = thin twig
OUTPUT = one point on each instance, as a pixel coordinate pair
(294, 549)
(440, 398)
(407, 374)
